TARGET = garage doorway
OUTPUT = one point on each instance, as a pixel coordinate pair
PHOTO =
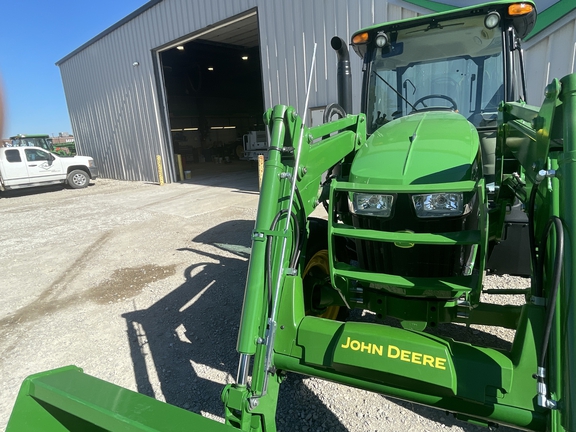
(213, 95)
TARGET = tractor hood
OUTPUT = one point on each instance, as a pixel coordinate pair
(422, 148)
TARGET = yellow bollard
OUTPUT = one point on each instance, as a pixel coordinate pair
(160, 170)
(180, 168)
(260, 170)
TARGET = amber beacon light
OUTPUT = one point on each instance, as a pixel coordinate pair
(518, 9)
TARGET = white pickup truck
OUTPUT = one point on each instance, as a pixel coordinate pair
(22, 167)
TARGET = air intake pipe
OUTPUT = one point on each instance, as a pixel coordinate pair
(344, 74)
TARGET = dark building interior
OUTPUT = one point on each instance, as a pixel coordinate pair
(214, 95)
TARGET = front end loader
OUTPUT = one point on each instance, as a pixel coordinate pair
(445, 175)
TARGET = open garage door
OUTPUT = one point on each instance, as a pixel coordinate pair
(214, 96)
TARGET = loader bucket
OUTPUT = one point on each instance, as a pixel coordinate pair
(66, 399)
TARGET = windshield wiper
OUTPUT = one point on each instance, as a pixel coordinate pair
(395, 91)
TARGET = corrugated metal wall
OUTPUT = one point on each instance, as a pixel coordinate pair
(113, 105)
(115, 110)
(292, 28)
(550, 54)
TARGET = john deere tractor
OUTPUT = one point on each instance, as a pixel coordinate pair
(445, 175)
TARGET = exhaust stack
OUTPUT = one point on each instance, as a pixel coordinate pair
(344, 74)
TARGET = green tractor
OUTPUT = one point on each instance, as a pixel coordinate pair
(45, 142)
(42, 141)
(445, 175)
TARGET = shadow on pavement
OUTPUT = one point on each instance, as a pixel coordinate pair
(187, 339)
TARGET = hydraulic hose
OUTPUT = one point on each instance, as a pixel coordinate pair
(302, 212)
(540, 375)
(556, 274)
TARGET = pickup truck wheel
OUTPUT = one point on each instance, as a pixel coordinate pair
(78, 179)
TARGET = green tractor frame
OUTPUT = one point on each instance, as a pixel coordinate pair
(446, 174)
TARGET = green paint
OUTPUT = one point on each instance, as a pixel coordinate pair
(66, 399)
(400, 152)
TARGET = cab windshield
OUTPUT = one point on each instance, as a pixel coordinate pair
(448, 65)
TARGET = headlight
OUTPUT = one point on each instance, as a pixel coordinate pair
(91, 163)
(369, 204)
(439, 204)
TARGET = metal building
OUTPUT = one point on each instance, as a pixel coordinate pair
(132, 94)
(191, 76)
(551, 51)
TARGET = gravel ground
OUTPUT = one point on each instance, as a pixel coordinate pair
(142, 286)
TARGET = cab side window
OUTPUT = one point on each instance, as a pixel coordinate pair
(36, 155)
(13, 156)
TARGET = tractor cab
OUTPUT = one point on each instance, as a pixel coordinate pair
(466, 63)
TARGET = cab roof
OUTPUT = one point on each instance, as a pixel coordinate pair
(523, 24)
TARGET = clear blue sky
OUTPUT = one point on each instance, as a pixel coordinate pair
(35, 35)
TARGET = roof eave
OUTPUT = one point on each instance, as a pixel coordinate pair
(109, 30)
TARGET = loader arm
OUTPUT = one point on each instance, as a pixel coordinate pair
(318, 154)
(543, 141)
(320, 149)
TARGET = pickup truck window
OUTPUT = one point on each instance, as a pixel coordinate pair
(36, 155)
(13, 156)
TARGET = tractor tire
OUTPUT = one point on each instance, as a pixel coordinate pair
(239, 151)
(317, 261)
(78, 179)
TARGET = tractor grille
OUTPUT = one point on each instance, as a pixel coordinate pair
(418, 260)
